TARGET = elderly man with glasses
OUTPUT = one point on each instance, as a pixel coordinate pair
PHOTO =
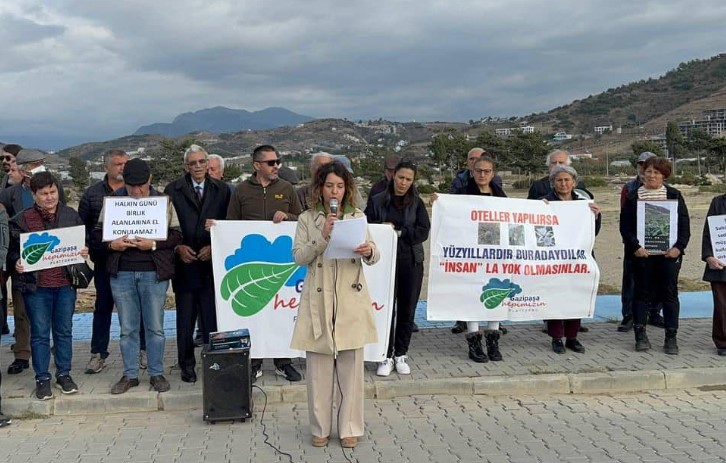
(265, 196)
(198, 199)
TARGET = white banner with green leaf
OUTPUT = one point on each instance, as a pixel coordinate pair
(500, 259)
(258, 284)
(52, 248)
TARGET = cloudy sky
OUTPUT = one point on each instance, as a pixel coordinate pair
(87, 70)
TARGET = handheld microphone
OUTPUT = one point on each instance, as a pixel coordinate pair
(333, 206)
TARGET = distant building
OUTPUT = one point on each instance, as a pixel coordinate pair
(713, 122)
(601, 129)
(580, 153)
(562, 136)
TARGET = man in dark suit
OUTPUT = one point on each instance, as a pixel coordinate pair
(198, 200)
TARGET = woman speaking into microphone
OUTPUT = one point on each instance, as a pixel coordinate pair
(334, 320)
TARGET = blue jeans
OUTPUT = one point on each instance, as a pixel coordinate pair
(51, 309)
(138, 294)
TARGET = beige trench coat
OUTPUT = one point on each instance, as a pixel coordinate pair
(328, 293)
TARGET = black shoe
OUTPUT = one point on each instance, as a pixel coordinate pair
(503, 330)
(459, 327)
(4, 420)
(642, 343)
(626, 325)
(492, 342)
(124, 384)
(670, 346)
(188, 375)
(42, 389)
(557, 346)
(656, 319)
(159, 383)
(66, 384)
(583, 329)
(476, 352)
(289, 372)
(414, 328)
(254, 374)
(574, 345)
(18, 366)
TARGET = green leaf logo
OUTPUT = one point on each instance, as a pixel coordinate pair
(494, 296)
(32, 253)
(494, 292)
(252, 286)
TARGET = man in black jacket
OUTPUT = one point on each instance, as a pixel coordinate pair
(90, 209)
(542, 187)
(198, 200)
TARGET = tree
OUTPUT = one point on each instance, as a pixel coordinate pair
(168, 162)
(674, 142)
(639, 146)
(699, 140)
(450, 149)
(79, 173)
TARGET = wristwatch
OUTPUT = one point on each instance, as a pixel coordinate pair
(153, 246)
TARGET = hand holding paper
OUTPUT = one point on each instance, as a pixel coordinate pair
(346, 238)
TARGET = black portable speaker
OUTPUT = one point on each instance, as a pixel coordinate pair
(227, 386)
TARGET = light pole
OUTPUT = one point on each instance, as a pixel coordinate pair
(607, 160)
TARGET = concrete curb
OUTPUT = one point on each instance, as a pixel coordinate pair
(577, 383)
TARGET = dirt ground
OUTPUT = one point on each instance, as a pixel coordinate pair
(609, 247)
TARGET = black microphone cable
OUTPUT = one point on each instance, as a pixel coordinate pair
(264, 426)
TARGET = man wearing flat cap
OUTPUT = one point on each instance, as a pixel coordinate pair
(140, 270)
(16, 199)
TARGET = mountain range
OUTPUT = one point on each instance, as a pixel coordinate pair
(642, 107)
(224, 120)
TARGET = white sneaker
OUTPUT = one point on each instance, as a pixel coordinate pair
(401, 366)
(385, 367)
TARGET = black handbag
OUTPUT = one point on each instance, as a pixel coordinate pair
(81, 275)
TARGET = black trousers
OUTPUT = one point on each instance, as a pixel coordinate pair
(189, 306)
(409, 276)
(656, 281)
(627, 292)
(718, 334)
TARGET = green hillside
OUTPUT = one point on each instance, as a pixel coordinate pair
(636, 103)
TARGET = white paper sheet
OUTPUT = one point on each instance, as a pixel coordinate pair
(346, 236)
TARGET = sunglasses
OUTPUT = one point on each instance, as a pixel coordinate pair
(200, 162)
(271, 162)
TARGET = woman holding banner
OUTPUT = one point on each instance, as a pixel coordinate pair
(563, 179)
(49, 297)
(715, 273)
(480, 184)
(655, 274)
(400, 206)
(334, 320)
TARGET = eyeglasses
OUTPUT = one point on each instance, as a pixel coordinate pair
(271, 162)
(483, 171)
(200, 162)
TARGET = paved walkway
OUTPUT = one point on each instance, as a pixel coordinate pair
(439, 366)
(659, 426)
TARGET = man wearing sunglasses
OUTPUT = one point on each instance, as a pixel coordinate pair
(198, 199)
(265, 196)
